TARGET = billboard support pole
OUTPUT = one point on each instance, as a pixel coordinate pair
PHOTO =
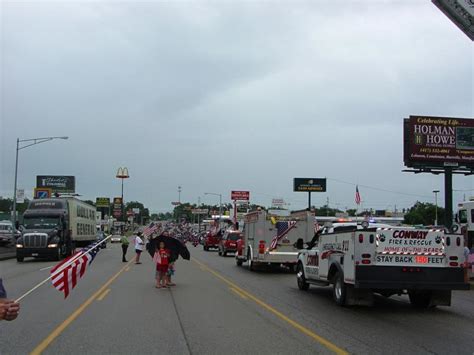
(448, 197)
(309, 200)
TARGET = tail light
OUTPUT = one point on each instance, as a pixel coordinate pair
(458, 241)
(453, 263)
(453, 258)
(371, 239)
(361, 238)
(261, 247)
(366, 256)
(365, 262)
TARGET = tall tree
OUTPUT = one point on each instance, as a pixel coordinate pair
(424, 213)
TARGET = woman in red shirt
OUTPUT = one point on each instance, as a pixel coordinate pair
(161, 258)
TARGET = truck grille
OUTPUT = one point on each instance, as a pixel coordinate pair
(35, 241)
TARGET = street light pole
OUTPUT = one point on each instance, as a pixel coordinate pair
(122, 173)
(31, 142)
(436, 206)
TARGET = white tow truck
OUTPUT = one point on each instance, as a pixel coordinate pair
(465, 217)
(425, 264)
(270, 239)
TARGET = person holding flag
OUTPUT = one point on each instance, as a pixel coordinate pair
(8, 309)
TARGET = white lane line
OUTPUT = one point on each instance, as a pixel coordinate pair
(46, 268)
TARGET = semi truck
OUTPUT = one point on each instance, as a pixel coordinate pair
(54, 227)
(269, 239)
(425, 264)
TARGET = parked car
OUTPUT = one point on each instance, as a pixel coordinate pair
(7, 233)
(228, 243)
(115, 238)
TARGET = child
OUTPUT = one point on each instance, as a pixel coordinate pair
(161, 258)
(171, 270)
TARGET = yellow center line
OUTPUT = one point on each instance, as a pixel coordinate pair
(102, 296)
(334, 348)
(238, 293)
(56, 332)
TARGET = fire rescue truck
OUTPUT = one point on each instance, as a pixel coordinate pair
(425, 264)
(268, 239)
(465, 217)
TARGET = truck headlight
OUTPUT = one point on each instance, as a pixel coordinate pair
(52, 245)
(19, 245)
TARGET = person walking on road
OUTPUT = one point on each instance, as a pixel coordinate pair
(125, 243)
(8, 309)
(138, 247)
(161, 259)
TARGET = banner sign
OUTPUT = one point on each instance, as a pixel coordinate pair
(102, 202)
(199, 211)
(309, 184)
(438, 142)
(240, 195)
(278, 202)
(60, 184)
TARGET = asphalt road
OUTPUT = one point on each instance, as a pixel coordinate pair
(216, 308)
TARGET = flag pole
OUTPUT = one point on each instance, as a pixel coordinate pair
(61, 269)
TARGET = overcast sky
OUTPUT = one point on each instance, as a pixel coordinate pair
(217, 96)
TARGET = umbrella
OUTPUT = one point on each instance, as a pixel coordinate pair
(174, 245)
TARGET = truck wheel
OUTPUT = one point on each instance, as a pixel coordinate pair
(206, 248)
(219, 252)
(239, 262)
(224, 253)
(20, 258)
(420, 299)
(302, 284)
(251, 265)
(339, 289)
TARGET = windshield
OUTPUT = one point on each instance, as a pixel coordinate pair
(233, 236)
(41, 222)
(462, 216)
(5, 227)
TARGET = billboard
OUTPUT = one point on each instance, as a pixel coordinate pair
(117, 212)
(309, 184)
(460, 12)
(438, 142)
(102, 202)
(240, 195)
(60, 184)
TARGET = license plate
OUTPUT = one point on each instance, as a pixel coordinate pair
(34, 254)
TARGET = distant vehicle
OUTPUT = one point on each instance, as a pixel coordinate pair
(465, 217)
(7, 233)
(211, 240)
(100, 237)
(115, 238)
(271, 239)
(228, 243)
(54, 227)
(426, 264)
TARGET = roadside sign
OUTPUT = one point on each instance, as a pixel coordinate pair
(309, 184)
(42, 192)
(130, 213)
(102, 202)
(20, 196)
(61, 184)
(199, 211)
(240, 195)
(136, 210)
(278, 202)
(175, 203)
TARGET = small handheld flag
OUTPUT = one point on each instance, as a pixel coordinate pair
(282, 229)
(67, 273)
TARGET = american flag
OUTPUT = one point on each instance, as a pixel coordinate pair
(152, 228)
(67, 273)
(282, 229)
(357, 196)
